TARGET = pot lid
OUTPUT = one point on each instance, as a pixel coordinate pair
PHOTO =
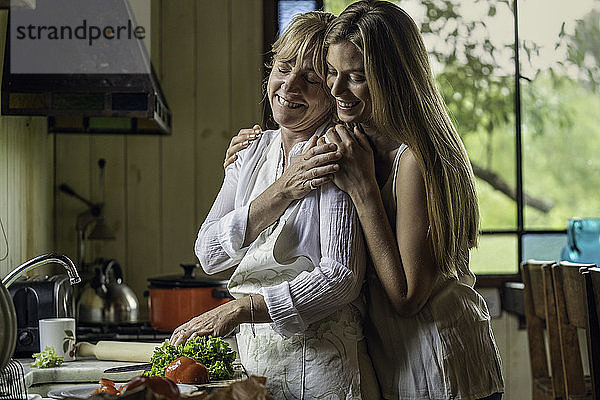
(187, 280)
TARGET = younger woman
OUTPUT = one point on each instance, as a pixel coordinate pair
(408, 174)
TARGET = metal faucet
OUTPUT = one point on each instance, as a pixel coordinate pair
(39, 261)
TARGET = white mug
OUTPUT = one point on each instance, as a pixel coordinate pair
(58, 333)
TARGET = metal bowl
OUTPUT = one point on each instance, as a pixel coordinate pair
(8, 328)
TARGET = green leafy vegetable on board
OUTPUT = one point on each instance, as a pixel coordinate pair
(46, 359)
(213, 352)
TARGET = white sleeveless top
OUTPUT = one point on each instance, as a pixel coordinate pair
(446, 351)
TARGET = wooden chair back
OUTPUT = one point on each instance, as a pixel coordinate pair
(592, 292)
(571, 306)
(542, 330)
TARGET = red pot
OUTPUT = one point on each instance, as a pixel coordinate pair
(176, 299)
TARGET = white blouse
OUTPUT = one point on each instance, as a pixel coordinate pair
(325, 230)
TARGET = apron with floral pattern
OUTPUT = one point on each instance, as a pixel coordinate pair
(322, 361)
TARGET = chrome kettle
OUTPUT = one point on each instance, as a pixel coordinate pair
(105, 300)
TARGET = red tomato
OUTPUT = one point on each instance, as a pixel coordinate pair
(107, 386)
(158, 385)
(106, 382)
(109, 390)
(187, 370)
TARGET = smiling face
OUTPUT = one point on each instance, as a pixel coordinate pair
(347, 82)
(298, 99)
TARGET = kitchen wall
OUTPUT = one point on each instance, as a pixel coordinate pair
(158, 190)
(26, 184)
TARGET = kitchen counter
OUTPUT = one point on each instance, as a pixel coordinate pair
(87, 370)
(82, 371)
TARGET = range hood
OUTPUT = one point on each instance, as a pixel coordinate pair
(121, 103)
(88, 103)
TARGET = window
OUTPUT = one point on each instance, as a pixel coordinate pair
(288, 8)
(536, 155)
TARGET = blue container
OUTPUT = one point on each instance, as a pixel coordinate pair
(583, 241)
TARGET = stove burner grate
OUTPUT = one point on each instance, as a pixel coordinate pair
(138, 332)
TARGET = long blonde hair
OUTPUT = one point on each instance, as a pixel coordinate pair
(407, 106)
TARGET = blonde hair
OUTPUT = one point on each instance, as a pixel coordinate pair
(407, 106)
(305, 34)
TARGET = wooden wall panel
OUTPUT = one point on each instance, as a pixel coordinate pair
(4, 266)
(513, 349)
(156, 34)
(72, 167)
(144, 199)
(26, 196)
(14, 194)
(111, 148)
(40, 199)
(246, 64)
(143, 192)
(4, 165)
(214, 127)
(17, 201)
(178, 152)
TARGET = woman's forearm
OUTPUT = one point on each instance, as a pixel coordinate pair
(253, 312)
(222, 320)
(264, 211)
(382, 244)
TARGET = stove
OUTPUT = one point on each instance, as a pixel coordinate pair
(132, 332)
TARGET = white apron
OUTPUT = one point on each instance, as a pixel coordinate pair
(322, 361)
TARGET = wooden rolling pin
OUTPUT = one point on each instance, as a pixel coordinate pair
(117, 351)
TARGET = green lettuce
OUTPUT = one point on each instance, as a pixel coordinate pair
(47, 358)
(213, 352)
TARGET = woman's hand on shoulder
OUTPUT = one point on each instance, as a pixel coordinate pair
(357, 166)
(240, 142)
(313, 168)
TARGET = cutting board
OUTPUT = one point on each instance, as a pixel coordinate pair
(117, 351)
(85, 370)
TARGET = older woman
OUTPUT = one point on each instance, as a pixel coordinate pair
(299, 264)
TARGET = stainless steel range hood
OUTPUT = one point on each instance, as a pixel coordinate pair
(89, 103)
(121, 103)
